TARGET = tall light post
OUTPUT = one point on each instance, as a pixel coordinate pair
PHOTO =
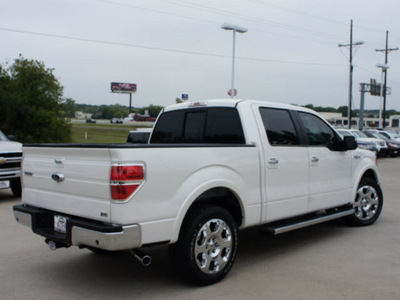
(235, 29)
(384, 68)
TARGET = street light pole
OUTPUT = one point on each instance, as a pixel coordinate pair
(235, 29)
(384, 68)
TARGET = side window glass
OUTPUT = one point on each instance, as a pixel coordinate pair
(223, 126)
(279, 127)
(318, 132)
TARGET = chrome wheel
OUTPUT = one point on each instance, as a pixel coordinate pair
(367, 203)
(213, 246)
(207, 245)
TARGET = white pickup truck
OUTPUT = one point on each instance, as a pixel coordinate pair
(209, 169)
(10, 164)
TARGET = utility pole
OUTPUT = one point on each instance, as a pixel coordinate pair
(350, 45)
(387, 51)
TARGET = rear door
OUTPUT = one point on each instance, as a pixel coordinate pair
(286, 162)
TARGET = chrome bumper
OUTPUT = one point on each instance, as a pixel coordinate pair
(80, 232)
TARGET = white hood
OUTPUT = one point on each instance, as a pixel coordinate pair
(8, 146)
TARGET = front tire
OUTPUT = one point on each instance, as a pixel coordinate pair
(368, 203)
(207, 245)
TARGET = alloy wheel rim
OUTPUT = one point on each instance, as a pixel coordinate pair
(213, 246)
(366, 204)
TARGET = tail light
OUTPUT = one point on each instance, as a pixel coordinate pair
(125, 180)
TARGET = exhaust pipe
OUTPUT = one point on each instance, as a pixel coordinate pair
(143, 258)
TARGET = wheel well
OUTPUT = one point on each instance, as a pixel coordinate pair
(222, 197)
(370, 174)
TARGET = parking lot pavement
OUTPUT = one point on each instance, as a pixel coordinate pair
(327, 261)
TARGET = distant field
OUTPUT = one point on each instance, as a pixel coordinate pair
(97, 133)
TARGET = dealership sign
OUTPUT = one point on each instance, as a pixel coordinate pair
(119, 87)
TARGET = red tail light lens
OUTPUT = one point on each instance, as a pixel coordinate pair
(121, 173)
(125, 180)
(122, 192)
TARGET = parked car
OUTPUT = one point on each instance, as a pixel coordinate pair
(90, 121)
(10, 164)
(380, 143)
(390, 135)
(116, 121)
(393, 146)
(363, 143)
(139, 136)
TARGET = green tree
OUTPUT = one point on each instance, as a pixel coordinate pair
(343, 110)
(153, 110)
(31, 105)
(69, 108)
(113, 111)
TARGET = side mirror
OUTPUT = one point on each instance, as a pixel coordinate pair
(12, 138)
(349, 143)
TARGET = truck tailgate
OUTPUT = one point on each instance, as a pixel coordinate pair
(73, 181)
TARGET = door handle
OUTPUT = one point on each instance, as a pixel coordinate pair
(273, 161)
(314, 159)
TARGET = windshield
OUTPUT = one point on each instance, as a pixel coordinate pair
(359, 134)
(3, 136)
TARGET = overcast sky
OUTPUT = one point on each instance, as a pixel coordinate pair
(290, 53)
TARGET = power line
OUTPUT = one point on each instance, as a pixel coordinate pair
(165, 49)
(217, 11)
(289, 27)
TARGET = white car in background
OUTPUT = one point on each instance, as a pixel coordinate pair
(10, 164)
(390, 135)
(361, 136)
(363, 143)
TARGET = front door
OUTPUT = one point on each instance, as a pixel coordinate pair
(330, 171)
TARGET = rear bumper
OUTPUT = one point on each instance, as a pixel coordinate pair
(79, 231)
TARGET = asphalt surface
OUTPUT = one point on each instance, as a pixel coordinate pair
(327, 261)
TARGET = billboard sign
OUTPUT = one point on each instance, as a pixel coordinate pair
(185, 97)
(119, 87)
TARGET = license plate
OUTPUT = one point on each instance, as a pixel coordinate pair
(60, 223)
(4, 184)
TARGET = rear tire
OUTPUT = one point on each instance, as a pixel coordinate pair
(207, 245)
(368, 203)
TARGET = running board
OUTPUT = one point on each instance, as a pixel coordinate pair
(280, 227)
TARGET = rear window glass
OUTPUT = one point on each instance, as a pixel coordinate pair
(138, 137)
(216, 125)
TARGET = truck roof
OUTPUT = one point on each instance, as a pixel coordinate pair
(232, 103)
